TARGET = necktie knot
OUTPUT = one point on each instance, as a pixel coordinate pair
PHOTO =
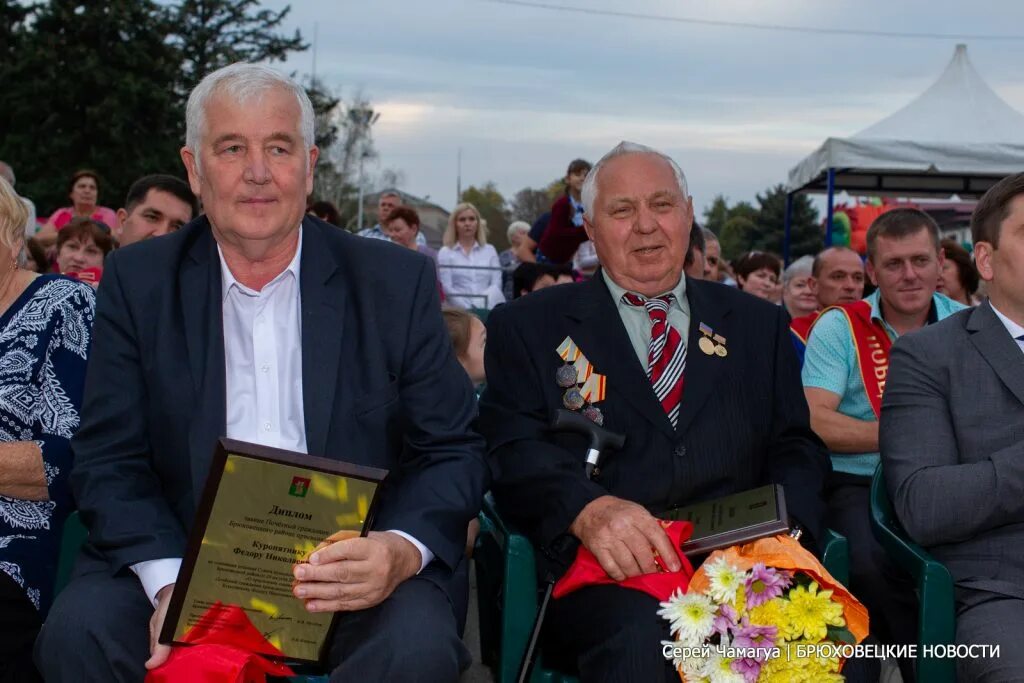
(657, 307)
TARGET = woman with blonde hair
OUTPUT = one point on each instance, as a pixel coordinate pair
(468, 266)
(45, 332)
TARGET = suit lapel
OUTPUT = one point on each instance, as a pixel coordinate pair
(701, 369)
(200, 291)
(323, 311)
(598, 331)
(997, 347)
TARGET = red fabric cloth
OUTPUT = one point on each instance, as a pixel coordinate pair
(224, 648)
(587, 571)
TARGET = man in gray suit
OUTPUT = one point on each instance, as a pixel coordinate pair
(952, 441)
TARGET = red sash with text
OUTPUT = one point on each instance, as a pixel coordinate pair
(872, 344)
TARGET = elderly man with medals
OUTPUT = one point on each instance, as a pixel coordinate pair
(700, 379)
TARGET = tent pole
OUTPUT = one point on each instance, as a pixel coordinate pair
(831, 198)
(785, 234)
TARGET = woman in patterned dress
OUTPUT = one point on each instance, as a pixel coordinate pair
(45, 332)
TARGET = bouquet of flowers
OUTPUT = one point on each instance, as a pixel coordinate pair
(764, 611)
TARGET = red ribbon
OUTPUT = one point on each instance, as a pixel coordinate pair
(587, 571)
(224, 647)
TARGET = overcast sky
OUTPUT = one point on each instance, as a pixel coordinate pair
(523, 90)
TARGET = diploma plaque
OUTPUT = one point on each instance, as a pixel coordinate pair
(732, 520)
(262, 510)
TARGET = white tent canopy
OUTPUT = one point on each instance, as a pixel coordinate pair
(958, 137)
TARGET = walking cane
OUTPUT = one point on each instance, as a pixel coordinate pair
(600, 440)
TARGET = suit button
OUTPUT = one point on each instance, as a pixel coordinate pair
(680, 451)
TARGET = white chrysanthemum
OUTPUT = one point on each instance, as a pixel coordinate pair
(725, 580)
(691, 616)
(718, 669)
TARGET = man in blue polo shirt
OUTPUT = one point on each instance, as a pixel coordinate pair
(844, 372)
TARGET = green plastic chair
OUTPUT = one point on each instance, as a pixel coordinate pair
(72, 539)
(508, 592)
(936, 611)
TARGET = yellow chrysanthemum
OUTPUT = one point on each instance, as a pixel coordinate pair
(771, 613)
(809, 613)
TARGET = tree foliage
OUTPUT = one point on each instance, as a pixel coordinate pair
(491, 205)
(88, 87)
(214, 33)
(743, 226)
(103, 85)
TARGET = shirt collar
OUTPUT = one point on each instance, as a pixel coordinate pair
(227, 279)
(1013, 328)
(616, 291)
(875, 299)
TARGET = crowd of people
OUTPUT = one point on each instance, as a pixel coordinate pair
(252, 316)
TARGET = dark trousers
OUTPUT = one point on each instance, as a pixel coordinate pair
(613, 635)
(885, 589)
(97, 631)
(19, 625)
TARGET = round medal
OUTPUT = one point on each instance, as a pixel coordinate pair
(593, 413)
(706, 345)
(573, 399)
(566, 376)
(721, 351)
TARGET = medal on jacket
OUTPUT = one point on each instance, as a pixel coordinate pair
(711, 344)
(583, 386)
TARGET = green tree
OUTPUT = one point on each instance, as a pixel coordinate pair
(214, 33)
(491, 205)
(737, 235)
(88, 87)
(716, 215)
(805, 233)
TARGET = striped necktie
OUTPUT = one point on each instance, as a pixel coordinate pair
(666, 353)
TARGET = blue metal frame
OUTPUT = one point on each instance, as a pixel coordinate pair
(831, 199)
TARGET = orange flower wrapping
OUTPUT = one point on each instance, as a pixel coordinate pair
(784, 552)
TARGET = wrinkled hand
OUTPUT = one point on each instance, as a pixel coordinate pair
(158, 653)
(355, 574)
(621, 536)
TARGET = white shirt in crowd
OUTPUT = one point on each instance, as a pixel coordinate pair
(479, 285)
(263, 364)
(31, 226)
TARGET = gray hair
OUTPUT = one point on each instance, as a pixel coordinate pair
(802, 267)
(589, 192)
(709, 236)
(517, 226)
(243, 83)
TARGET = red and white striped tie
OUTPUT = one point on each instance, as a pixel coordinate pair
(666, 353)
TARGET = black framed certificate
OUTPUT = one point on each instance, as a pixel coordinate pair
(739, 518)
(262, 510)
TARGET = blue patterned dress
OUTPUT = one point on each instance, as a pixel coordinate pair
(44, 344)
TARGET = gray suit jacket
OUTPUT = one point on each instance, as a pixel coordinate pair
(952, 444)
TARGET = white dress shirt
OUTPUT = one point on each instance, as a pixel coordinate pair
(263, 373)
(1015, 330)
(479, 285)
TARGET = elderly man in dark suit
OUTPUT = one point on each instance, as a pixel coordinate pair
(952, 440)
(263, 325)
(711, 424)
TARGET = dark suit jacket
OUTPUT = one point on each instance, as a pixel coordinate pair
(380, 384)
(952, 444)
(743, 422)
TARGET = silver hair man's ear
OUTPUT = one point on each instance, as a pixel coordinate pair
(589, 192)
(244, 83)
